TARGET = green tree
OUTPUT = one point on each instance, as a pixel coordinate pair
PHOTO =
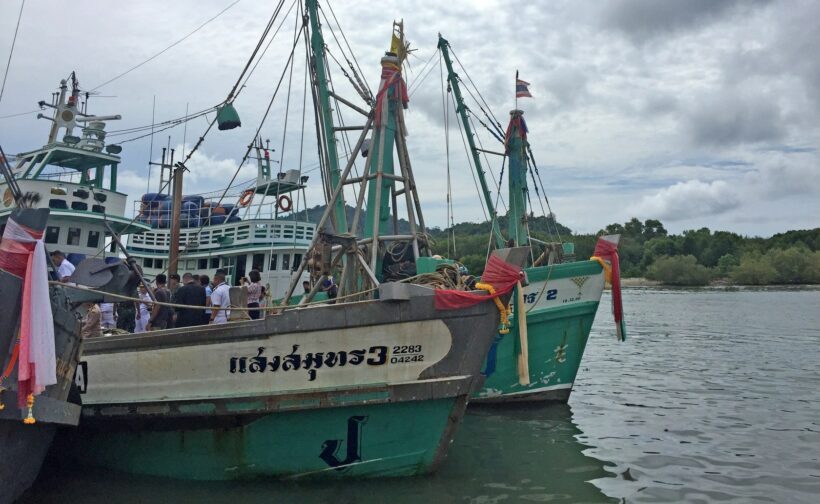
(754, 269)
(679, 270)
(659, 246)
(727, 263)
(795, 265)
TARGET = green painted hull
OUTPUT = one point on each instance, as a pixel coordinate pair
(557, 332)
(387, 439)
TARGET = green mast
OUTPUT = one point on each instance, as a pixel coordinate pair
(452, 77)
(381, 156)
(516, 153)
(317, 45)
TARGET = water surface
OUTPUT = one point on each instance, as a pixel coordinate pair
(714, 397)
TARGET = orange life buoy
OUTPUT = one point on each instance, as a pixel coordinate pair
(285, 203)
(246, 198)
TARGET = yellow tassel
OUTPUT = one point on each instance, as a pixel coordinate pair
(30, 403)
(505, 314)
(2, 406)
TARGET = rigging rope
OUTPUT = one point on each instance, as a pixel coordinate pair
(352, 54)
(11, 52)
(449, 201)
(109, 81)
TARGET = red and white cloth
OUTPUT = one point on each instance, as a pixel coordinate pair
(22, 253)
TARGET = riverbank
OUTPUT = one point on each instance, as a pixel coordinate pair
(718, 282)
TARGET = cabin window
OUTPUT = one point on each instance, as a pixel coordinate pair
(214, 262)
(258, 262)
(297, 260)
(285, 262)
(273, 258)
(147, 262)
(52, 234)
(93, 239)
(202, 264)
(73, 236)
(158, 263)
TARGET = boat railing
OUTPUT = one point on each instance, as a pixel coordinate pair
(257, 231)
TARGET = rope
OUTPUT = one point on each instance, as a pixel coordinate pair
(543, 289)
(13, 42)
(344, 37)
(192, 307)
(109, 81)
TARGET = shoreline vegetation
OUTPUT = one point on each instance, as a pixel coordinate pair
(650, 256)
(648, 253)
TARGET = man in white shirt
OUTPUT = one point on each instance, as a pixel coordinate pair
(220, 299)
(64, 268)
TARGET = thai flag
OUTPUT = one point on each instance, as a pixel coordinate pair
(522, 89)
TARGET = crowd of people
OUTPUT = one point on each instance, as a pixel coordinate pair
(209, 301)
(199, 300)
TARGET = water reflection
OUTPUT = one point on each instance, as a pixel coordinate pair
(520, 454)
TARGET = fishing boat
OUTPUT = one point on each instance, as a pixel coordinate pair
(372, 383)
(539, 359)
(28, 424)
(75, 177)
(259, 230)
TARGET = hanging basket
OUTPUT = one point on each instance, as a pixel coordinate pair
(227, 118)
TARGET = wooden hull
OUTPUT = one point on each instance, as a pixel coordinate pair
(361, 389)
(23, 447)
(559, 319)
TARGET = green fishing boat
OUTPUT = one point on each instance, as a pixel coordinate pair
(539, 358)
(372, 383)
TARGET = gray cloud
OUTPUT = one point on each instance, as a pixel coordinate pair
(642, 20)
(728, 120)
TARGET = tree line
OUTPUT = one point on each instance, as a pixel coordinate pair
(694, 257)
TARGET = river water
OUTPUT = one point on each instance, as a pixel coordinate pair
(714, 397)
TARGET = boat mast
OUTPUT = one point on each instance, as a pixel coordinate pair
(461, 108)
(330, 153)
(516, 141)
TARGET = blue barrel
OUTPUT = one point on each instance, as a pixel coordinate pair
(189, 207)
(112, 260)
(198, 200)
(234, 218)
(217, 219)
(153, 199)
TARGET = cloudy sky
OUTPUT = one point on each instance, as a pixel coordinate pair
(699, 113)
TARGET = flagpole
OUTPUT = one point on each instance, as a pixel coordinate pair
(516, 89)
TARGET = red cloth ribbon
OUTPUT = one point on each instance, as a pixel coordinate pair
(608, 251)
(498, 273)
(390, 76)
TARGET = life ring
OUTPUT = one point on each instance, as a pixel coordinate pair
(246, 198)
(284, 203)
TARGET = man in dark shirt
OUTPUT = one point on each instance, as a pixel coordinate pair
(160, 315)
(192, 294)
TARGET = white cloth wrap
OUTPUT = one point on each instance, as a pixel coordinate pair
(41, 351)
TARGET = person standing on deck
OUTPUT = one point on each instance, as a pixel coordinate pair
(143, 312)
(64, 268)
(109, 315)
(173, 287)
(91, 322)
(160, 315)
(220, 299)
(192, 294)
(205, 281)
(254, 293)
